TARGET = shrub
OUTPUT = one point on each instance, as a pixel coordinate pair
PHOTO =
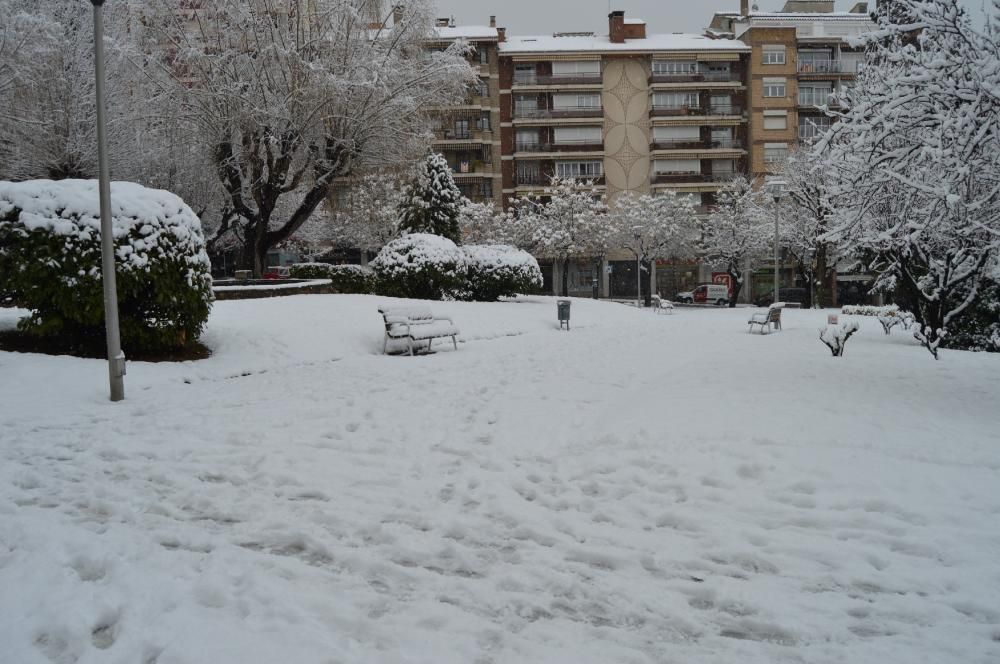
(420, 265)
(979, 328)
(50, 263)
(499, 270)
(870, 310)
(345, 278)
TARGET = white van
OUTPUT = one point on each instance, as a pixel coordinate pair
(717, 294)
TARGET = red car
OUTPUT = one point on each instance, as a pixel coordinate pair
(277, 272)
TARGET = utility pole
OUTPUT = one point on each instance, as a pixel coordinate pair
(116, 358)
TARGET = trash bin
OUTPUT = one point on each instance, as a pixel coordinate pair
(562, 306)
(595, 287)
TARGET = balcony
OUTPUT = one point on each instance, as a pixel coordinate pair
(561, 112)
(545, 179)
(689, 109)
(470, 135)
(560, 146)
(820, 67)
(521, 78)
(696, 144)
(692, 177)
(694, 77)
(811, 98)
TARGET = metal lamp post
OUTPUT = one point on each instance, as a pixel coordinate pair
(637, 234)
(116, 358)
(776, 188)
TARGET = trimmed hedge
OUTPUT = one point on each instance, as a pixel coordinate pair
(50, 263)
(499, 270)
(353, 279)
(420, 266)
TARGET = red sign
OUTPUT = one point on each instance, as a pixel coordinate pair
(832, 319)
(724, 279)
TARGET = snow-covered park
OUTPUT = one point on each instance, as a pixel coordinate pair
(642, 488)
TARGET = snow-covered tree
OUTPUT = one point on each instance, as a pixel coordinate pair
(806, 215)
(572, 223)
(432, 201)
(483, 223)
(286, 96)
(916, 151)
(736, 233)
(653, 227)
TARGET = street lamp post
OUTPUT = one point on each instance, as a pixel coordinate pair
(116, 358)
(637, 234)
(776, 188)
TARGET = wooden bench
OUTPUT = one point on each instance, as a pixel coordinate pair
(772, 317)
(415, 325)
(662, 306)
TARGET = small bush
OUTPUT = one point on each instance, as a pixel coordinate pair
(979, 328)
(50, 263)
(869, 310)
(500, 270)
(353, 279)
(421, 266)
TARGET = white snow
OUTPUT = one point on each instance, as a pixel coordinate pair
(662, 42)
(640, 489)
(478, 32)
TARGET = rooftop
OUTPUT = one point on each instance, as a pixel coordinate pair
(471, 32)
(600, 44)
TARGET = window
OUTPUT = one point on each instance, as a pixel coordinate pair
(674, 68)
(524, 74)
(810, 128)
(482, 88)
(677, 135)
(569, 101)
(774, 87)
(461, 128)
(774, 54)
(721, 103)
(676, 100)
(527, 139)
(484, 56)
(775, 152)
(525, 106)
(675, 166)
(588, 101)
(815, 94)
(529, 172)
(775, 120)
(483, 121)
(579, 169)
(578, 135)
(577, 69)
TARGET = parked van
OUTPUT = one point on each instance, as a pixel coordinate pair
(706, 294)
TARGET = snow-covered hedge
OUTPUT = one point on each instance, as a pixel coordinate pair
(50, 263)
(868, 310)
(499, 270)
(345, 278)
(420, 265)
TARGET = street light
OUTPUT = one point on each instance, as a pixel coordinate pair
(776, 188)
(637, 234)
(116, 358)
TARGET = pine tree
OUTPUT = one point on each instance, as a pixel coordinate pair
(432, 202)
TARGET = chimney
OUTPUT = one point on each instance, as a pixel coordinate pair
(744, 7)
(397, 14)
(493, 21)
(616, 27)
(442, 22)
(501, 35)
(860, 8)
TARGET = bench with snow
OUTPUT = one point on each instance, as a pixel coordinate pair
(662, 306)
(769, 318)
(415, 325)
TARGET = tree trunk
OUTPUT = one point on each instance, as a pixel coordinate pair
(647, 283)
(737, 282)
(565, 277)
(820, 276)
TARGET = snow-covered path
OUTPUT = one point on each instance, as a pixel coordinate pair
(642, 489)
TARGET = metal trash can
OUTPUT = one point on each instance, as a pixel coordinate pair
(562, 307)
(596, 288)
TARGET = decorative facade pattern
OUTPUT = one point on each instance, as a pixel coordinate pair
(626, 126)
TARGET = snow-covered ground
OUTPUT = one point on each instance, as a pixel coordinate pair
(642, 488)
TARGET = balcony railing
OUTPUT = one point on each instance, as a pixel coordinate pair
(463, 135)
(696, 144)
(545, 179)
(820, 66)
(557, 79)
(692, 109)
(561, 112)
(560, 146)
(679, 177)
(693, 77)
(809, 97)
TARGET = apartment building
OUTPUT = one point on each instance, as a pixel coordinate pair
(632, 111)
(468, 134)
(801, 60)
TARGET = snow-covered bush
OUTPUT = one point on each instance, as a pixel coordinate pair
(979, 328)
(499, 270)
(420, 265)
(869, 310)
(344, 278)
(50, 263)
(836, 336)
(432, 202)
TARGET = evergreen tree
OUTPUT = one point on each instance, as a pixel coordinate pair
(432, 202)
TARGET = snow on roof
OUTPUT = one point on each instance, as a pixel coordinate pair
(810, 16)
(466, 32)
(635, 21)
(668, 42)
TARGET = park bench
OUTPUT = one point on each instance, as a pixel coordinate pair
(770, 318)
(415, 325)
(662, 306)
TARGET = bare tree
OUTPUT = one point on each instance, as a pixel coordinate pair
(288, 95)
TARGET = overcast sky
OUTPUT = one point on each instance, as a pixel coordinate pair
(540, 17)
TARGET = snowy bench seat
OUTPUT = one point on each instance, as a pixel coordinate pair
(414, 324)
(766, 319)
(662, 306)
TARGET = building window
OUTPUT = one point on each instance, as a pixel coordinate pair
(579, 169)
(674, 68)
(774, 87)
(775, 152)
(484, 56)
(775, 120)
(588, 101)
(587, 135)
(577, 69)
(774, 54)
(482, 88)
(811, 128)
(483, 121)
(529, 172)
(462, 129)
(676, 100)
(524, 74)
